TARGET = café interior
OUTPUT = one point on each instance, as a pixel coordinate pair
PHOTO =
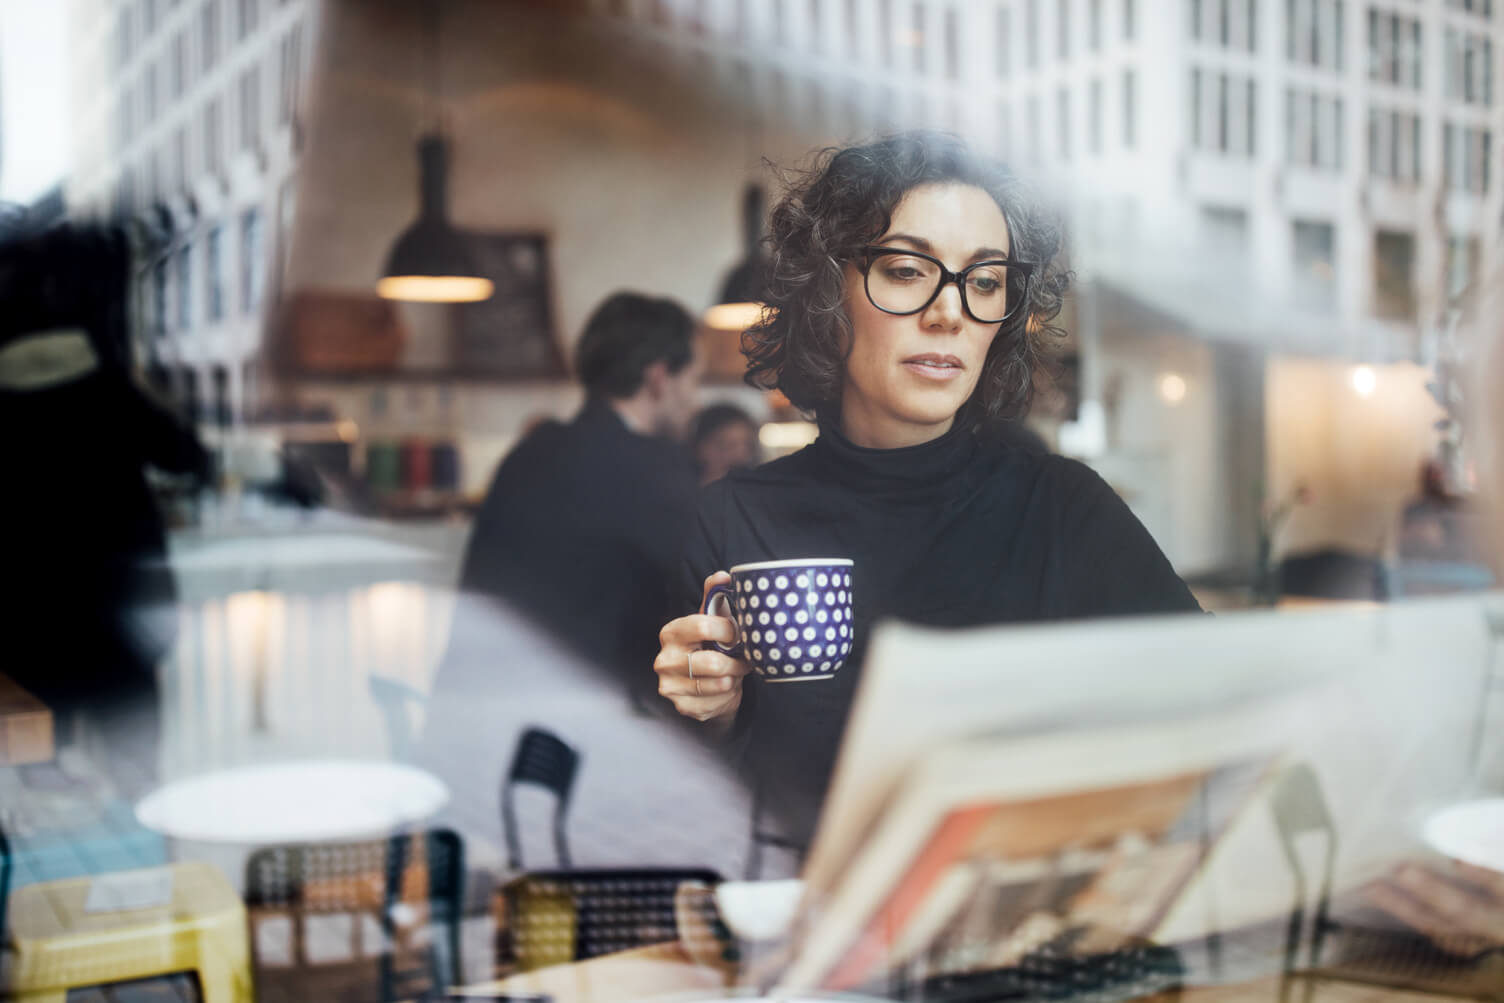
(353, 779)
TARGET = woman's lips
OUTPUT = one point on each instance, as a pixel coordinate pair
(939, 368)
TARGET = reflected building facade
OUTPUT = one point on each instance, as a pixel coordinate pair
(187, 115)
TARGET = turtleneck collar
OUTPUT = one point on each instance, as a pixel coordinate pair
(908, 466)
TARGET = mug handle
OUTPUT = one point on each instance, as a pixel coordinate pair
(718, 603)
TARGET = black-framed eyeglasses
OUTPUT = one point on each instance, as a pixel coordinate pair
(903, 282)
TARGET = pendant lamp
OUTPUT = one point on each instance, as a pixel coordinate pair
(432, 261)
(741, 301)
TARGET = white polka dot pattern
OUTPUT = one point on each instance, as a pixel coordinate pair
(795, 620)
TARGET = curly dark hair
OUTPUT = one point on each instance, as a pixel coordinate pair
(843, 203)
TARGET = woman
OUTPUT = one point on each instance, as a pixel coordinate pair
(913, 285)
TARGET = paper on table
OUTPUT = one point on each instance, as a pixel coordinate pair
(126, 890)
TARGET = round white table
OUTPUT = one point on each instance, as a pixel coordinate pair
(293, 802)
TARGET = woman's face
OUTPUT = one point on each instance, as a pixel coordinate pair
(906, 377)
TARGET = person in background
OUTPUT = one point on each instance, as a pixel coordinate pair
(724, 439)
(92, 610)
(581, 523)
(913, 288)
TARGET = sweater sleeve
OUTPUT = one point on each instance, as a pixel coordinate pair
(1105, 562)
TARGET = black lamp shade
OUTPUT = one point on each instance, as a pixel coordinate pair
(432, 261)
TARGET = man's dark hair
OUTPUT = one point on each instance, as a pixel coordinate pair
(626, 334)
(844, 202)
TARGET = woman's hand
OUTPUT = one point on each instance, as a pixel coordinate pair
(714, 692)
(1458, 906)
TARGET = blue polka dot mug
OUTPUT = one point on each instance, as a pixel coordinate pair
(793, 618)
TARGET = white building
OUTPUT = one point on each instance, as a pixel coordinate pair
(186, 116)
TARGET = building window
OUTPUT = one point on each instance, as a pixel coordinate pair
(1482, 8)
(1063, 126)
(1468, 68)
(1032, 124)
(1063, 30)
(1094, 25)
(180, 156)
(123, 38)
(1315, 265)
(1394, 49)
(1462, 264)
(1393, 274)
(952, 45)
(184, 279)
(1224, 233)
(208, 30)
(1393, 145)
(1465, 157)
(1003, 61)
(918, 40)
(1130, 20)
(1130, 110)
(1313, 33)
(1228, 24)
(1031, 33)
(252, 259)
(214, 278)
(250, 108)
(179, 78)
(245, 18)
(1094, 116)
(1313, 130)
(289, 79)
(1223, 112)
(149, 90)
(213, 136)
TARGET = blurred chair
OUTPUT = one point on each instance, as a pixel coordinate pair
(394, 698)
(543, 759)
(1299, 808)
(556, 917)
(1333, 574)
(380, 880)
(156, 922)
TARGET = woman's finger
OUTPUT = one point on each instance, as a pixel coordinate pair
(693, 630)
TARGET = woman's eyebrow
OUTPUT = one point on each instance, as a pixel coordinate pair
(919, 243)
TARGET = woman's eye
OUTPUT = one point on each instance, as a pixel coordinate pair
(986, 284)
(903, 273)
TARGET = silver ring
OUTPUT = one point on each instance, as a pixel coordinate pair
(690, 658)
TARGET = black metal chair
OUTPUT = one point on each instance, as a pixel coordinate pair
(543, 759)
(556, 917)
(378, 878)
(393, 697)
(1300, 808)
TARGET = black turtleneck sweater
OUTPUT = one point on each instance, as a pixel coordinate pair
(956, 532)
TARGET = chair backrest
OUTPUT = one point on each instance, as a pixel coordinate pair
(1333, 574)
(543, 759)
(394, 697)
(552, 917)
(1300, 808)
(373, 877)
